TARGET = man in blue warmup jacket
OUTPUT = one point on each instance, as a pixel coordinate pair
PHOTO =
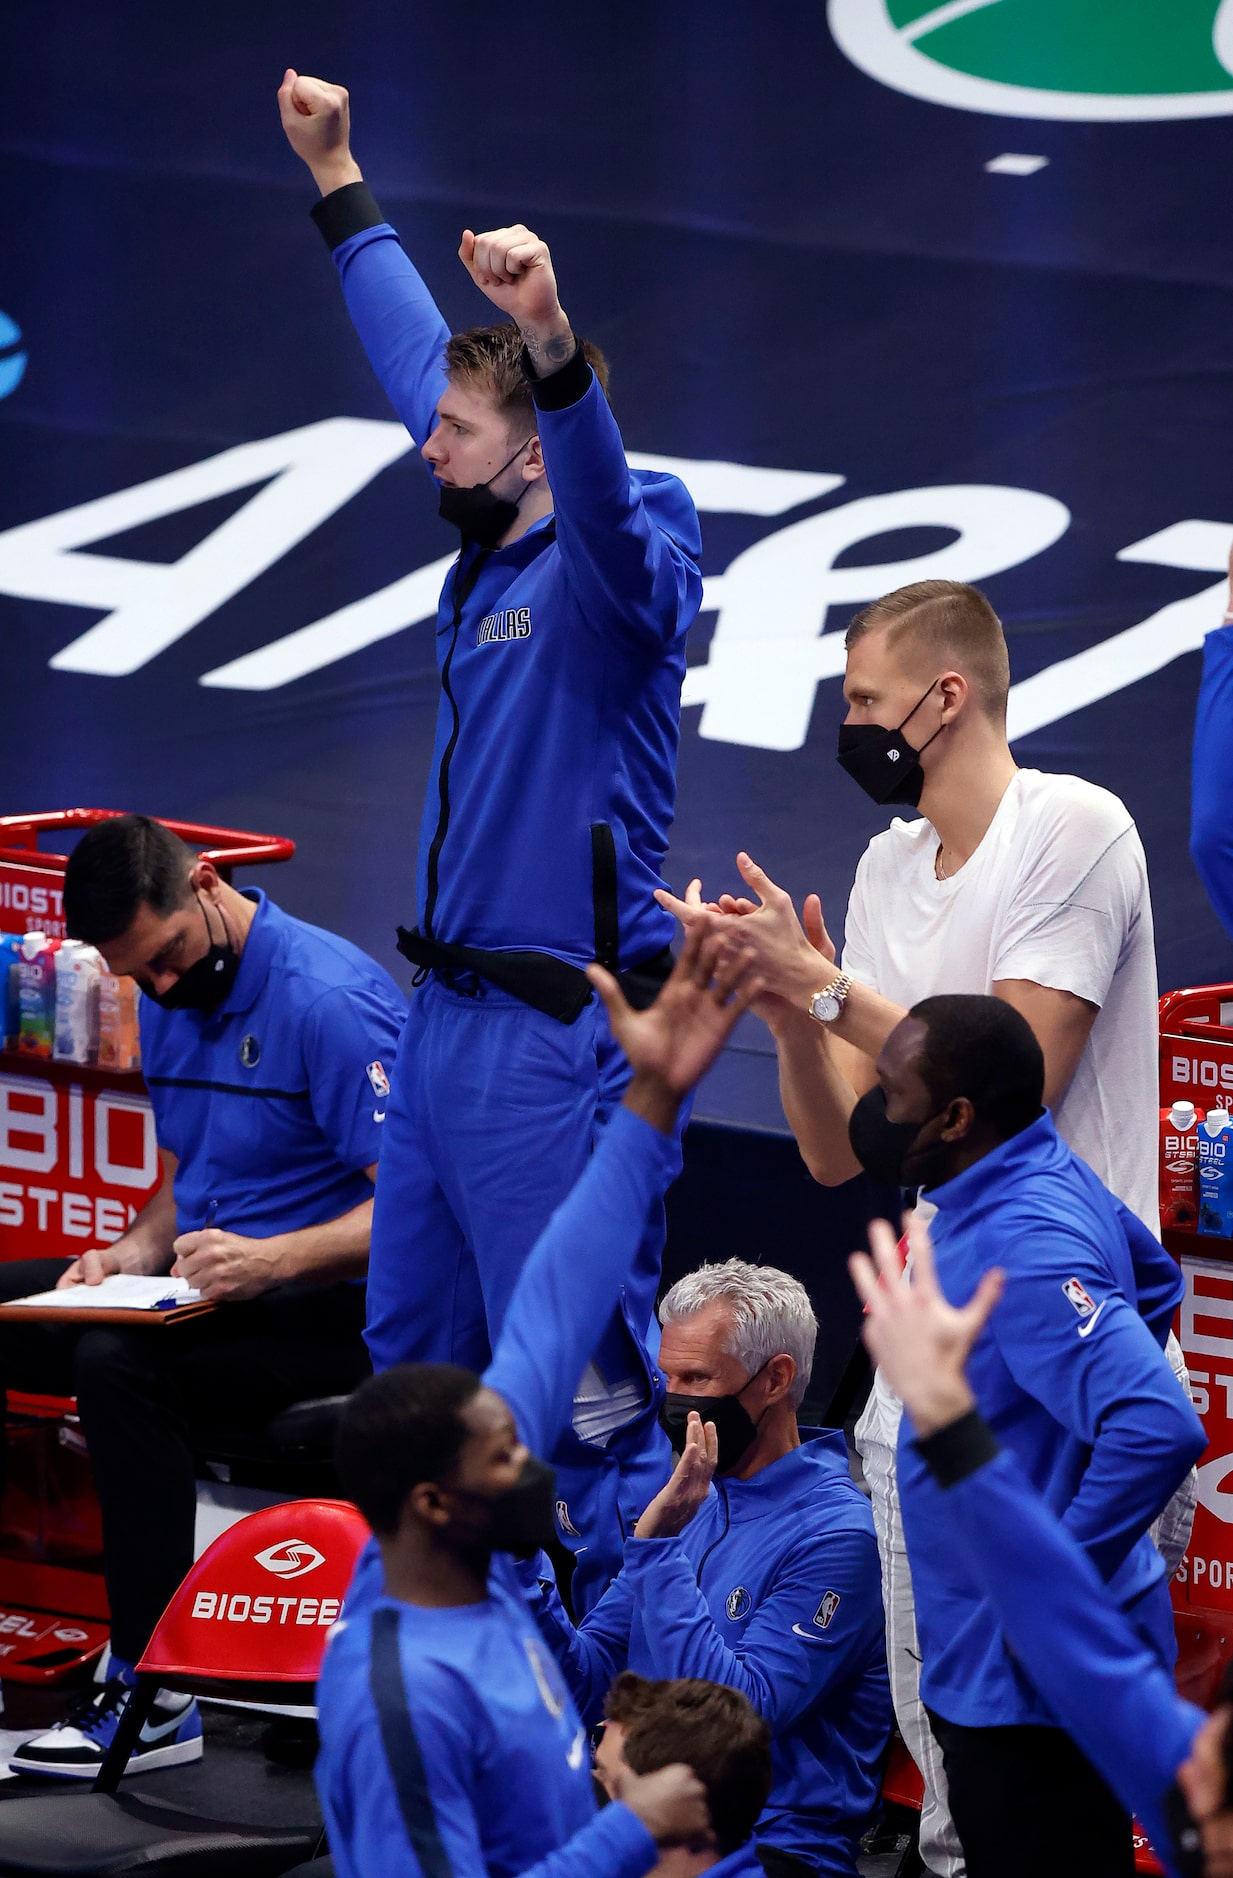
(1165, 1759)
(264, 1045)
(448, 1741)
(1072, 1377)
(755, 1566)
(561, 642)
(1211, 795)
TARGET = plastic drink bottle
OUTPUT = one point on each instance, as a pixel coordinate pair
(1215, 1140)
(1179, 1165)
(36, 993)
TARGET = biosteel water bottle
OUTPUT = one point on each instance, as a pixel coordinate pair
(77, 974)
(10, 1010)
(36, 994)
(1215, 1142)
(1179, 1165)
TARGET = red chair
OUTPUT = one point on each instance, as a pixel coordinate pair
(248, 1623)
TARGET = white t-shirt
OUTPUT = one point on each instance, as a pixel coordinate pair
(1056, 893)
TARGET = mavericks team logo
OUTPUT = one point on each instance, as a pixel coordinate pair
(1081, 59)
(739, 1604)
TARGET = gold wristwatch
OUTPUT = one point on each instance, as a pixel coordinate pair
(825, 1005)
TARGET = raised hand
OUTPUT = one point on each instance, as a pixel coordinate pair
(513, 267)
(316, 117)
(676, 1503)
(920, 1341)
(671, 1045)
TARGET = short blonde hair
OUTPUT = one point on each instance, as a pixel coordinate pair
(945, 620)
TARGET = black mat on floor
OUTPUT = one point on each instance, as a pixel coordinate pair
(232, 1780)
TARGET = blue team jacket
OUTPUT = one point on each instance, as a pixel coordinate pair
(1071, 1376)
(1211, 789)
(1102, 1683)
(561, 669)
(774, 1588)
(506, 1784)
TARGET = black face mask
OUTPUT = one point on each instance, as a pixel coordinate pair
(734, 1425)
(885, 1148)
(206, 983)
(882, 761)
(522, 1520)
(476, 513)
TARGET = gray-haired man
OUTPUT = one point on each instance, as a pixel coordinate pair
(755, 1566)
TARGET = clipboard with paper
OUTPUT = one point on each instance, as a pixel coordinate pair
(122, 1297)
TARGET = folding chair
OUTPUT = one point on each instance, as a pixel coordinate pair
(249, 1623)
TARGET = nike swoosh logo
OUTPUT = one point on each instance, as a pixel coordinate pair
(155, 1731)
(813, 1635)
(1085, 1330)
(574, 1757)
(378, 1115)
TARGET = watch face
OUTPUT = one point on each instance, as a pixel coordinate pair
(825, 1008)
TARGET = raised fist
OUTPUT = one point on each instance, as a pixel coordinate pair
(514, 268)
(316, 117)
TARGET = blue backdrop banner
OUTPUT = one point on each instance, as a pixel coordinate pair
(898, 289)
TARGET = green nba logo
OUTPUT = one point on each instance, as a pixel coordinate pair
(1081, 59)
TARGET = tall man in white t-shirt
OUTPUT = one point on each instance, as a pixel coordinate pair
(1012, 882)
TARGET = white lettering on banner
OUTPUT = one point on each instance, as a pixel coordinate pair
(308, 474)
(733, 488)
(1100, 670)
(32, 1125)
(239, 1608)
(770, 649)
(18, 896)
(1211, 1306)
(75, 1215)
(1204, 1072)
(119, 1173)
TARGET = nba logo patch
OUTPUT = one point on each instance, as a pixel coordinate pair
(378, 1078)
(565, 1522)
(1081, 1299)
(826, 1610)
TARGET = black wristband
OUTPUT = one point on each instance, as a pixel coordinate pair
(959, 1449)
(562, 388)
(345, 212)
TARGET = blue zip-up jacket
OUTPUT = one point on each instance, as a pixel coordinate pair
(561, 670)
(1070, 1374)
(489, 1713)
(1102, 1683)
(774, 1588)
(1211, 785)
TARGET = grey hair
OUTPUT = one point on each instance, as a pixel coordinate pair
(770, 1310)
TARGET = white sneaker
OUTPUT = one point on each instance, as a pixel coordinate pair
(75, 1748)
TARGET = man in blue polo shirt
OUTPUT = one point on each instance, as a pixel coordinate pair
(266, 1048)
(561, 645)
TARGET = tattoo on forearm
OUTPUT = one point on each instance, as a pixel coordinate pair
(549, 355)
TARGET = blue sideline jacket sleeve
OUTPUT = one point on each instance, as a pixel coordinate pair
(1105, 1686)
(593, 1655)
(1112, 1387)
(1158, 1279)
(777, 1669)
(1211, 786)
(345, 1031)
(391, 309)
(454, 1743)
(567, 1289)
(627, 572)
